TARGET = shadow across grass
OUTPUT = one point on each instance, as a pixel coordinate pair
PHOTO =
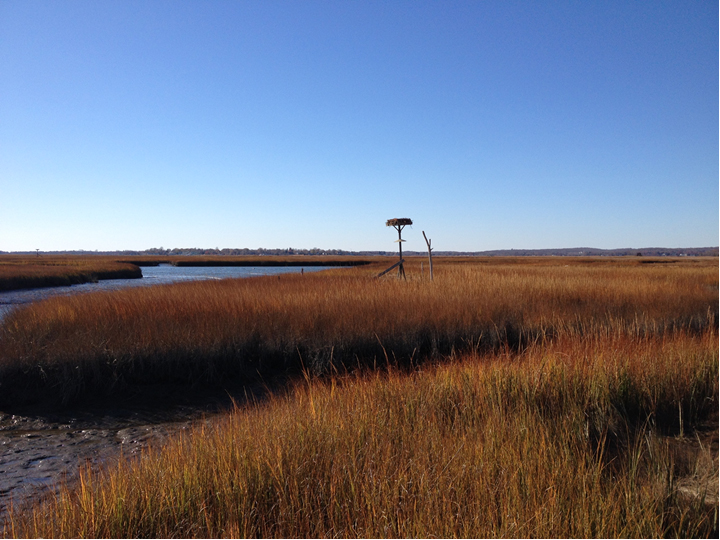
(71, 350)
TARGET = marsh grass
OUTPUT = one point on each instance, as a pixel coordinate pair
(518, 400)
(556, 440)
(66, 349)
(32, 272)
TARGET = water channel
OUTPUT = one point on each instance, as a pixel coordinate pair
(37, 451)
(152, 275)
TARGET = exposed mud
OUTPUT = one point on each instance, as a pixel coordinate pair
(36, 454)
(40, 448)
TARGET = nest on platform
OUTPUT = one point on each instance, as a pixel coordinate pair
(398, 221)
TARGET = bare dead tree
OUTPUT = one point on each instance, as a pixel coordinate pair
(429, 254)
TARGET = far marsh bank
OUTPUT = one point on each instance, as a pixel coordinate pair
(27, 272)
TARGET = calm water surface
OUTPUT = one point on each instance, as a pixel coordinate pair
(152, 275)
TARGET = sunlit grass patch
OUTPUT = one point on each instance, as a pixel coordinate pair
(543, 442)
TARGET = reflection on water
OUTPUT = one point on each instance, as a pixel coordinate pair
(152, 275)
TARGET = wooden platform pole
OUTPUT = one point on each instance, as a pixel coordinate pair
(399, 224)
(401, 268)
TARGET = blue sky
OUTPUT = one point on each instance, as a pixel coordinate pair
(493, 125)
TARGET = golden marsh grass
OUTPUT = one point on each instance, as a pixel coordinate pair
(22, 272)
(67, 348)
(506, 398)
(536, 443)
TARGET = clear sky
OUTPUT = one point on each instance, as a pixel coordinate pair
(492, 124)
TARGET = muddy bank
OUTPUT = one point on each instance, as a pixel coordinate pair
(37, 454)
(41, 447)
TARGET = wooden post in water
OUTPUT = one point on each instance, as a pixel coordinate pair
(429, 254)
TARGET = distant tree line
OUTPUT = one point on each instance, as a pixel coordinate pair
(248, 251)
(566, 252)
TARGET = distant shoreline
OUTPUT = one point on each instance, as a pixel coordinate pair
(291, 252)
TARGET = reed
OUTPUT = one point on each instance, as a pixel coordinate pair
(69, 348)
(541, 442)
